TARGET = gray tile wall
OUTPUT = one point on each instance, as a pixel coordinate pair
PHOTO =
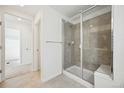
(96, 42)
(68, 48)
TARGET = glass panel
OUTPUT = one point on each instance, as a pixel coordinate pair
(72, 62)
(67, 45)
(96, 40)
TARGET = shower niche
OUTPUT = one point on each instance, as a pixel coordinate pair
(88, 43)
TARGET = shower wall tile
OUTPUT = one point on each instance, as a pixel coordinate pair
(77, 44)
(100, 39)
(97, 41)
(68, 53)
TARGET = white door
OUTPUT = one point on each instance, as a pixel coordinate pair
(26, 44)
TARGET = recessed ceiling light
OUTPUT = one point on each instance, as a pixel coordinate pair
(19, 19)
(21, 5)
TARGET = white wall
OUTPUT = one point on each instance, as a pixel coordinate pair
(51, 53)
(15, 12)
(118, 60)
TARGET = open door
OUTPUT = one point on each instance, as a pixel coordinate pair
(18, 45)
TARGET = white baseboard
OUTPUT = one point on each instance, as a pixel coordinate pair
(52, 77)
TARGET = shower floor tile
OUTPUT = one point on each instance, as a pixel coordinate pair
(87, 75)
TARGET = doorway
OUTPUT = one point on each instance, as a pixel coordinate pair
(18, 46)
(37, 60)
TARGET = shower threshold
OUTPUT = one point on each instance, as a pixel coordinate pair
(75, 73)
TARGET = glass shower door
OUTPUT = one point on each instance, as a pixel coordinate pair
(72, 63)
(96, 40)
(68, 48)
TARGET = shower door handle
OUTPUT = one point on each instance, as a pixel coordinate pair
(80, 46)
(53, 42)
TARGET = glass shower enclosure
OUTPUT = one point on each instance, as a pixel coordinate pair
(88, 43)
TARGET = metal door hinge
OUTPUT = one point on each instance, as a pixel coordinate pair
(0, 71)
(0, 47)
(0, 23)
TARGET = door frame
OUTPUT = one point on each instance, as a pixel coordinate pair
(3, 47)
(37, 22)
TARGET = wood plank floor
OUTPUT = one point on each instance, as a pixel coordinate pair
(16, 70)
(32, 80)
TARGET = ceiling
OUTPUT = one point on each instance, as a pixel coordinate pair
(27, 9)
(66, 10)
(15, 19)
(70, 10)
